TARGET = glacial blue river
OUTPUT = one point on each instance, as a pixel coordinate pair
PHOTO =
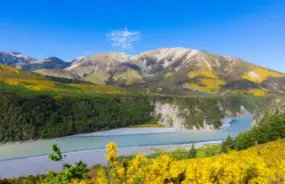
(127, 137)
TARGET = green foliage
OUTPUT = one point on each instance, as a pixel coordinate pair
(43, 116)
(69, 172)
(271, 128)
(56, 155)
(179, 154)
(192, 153)
(208, 150)
(227, 145)
(76, 171)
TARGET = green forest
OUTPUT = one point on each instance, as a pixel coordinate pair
(43, 116)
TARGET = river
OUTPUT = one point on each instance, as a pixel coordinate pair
(20, 159)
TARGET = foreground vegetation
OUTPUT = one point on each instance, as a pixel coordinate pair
(260, 164)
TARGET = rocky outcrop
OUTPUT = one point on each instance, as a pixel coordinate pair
(195, 114)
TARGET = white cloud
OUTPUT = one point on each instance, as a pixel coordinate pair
(123, 38)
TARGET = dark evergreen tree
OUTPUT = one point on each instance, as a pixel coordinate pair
(227, 144)
(192, 153)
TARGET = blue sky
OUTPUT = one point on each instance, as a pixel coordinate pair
(251, 29)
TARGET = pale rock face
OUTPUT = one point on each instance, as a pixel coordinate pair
(108, 66)
(166, 63)
(120, 56)
(192, 53)
(243, 110)
(175, 53)
(144, 66)
(217, 62)
(254, 76)
(206, 126)
(74, 65)
(14, 58)
(208, 64)
(179, 53)
(169, 115)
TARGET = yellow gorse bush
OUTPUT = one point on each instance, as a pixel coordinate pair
(208, 81)
(35, 85)
(8, 69)
(257, 92)
(260, 74)
(263, 164)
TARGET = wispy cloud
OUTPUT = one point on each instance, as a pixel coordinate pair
(123, 38)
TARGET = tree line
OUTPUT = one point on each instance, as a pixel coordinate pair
(269, 129)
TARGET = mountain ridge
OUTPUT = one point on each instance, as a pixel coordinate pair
(169, 70)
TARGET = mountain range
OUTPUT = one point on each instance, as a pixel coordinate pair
(164, 70)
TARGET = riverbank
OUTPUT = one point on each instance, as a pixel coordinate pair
(40, 164)
(131, 131)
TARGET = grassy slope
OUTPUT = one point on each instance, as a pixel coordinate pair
(13, 79)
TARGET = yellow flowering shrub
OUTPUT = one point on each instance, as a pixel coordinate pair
(208, 81)
(203, 72)
(168, 74)
(78, 182)
(261, 164)
(35, 85)
(47, 85)
(260, 74)
(8, 69)
(257, 92)
(207, 84)
(97, 88)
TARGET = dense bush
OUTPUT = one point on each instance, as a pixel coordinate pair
(269, 129)
(43, 116)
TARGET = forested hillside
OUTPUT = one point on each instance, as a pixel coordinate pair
(24, 118)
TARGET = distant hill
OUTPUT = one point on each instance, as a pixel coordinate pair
(169, 71)
(14, 59)
(13, 79)
(49, 63)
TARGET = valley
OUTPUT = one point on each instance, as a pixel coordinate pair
(187, 96)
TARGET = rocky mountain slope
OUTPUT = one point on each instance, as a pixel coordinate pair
(22, 61)
(14, 59)
(171, 70)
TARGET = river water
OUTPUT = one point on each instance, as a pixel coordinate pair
(88, 146)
